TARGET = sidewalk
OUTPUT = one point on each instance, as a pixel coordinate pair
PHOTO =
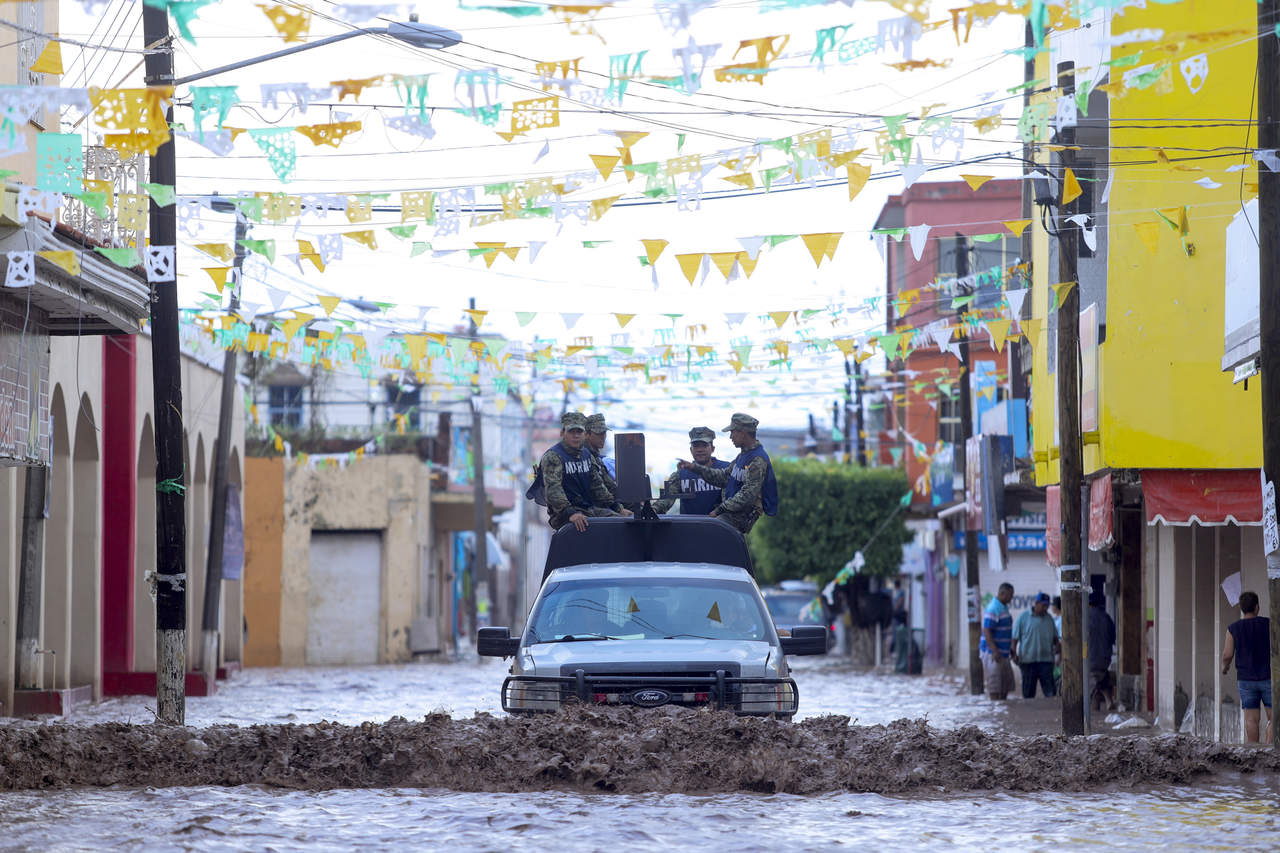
(1031, 717)
(1041, 716)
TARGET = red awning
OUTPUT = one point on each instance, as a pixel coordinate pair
(1210, 498)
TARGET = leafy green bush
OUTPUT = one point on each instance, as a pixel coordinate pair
(826, 512)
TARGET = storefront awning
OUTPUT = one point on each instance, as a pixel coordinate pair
(1210, 498)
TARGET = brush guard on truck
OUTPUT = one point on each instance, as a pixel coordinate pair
(748, 696)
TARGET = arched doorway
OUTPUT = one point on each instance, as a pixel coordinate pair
(198, 506)
(56, 615)
(86, 552)
(232, 602)
(144, 606)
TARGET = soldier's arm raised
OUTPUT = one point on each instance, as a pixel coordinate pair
(715, 476)
(749, 494)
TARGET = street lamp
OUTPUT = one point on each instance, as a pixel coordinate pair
(170, 574)
(410, 32)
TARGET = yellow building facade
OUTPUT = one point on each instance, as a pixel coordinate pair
(1163, 401)
(1179, 83)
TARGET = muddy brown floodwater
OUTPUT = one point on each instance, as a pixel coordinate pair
(668, 750)
(390, 758)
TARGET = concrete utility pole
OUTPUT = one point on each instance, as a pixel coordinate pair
(857, 396)
(970, 528)
(221, 452)
(848, 411)
(1070, 453)
(520, 566)
(1269, 309)
(480, 553)
(166, 372)
(31, 578)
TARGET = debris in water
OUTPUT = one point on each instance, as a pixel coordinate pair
(604, 749)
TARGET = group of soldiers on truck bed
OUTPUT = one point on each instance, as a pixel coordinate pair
(576, 482)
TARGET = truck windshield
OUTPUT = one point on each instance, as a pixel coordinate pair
(634, 609)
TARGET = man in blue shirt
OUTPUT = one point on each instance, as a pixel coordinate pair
(1035, 645)
(994, 647)
(1248, 643)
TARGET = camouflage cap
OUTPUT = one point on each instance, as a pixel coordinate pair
(573, 420)
(741, 421)
(701, 434)
(596, 424)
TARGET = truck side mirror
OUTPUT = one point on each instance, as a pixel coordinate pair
(804, 640)
(496, 643)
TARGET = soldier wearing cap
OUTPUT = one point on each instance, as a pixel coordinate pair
(749, 485)
(696, 495)
(571, 483)
(596, 432)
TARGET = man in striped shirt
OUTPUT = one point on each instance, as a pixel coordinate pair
(994, 646)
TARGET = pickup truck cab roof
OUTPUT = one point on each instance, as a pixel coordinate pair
(682, 539)
(655, 570)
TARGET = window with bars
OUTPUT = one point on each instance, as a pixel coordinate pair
(949, 420)
(284, 405)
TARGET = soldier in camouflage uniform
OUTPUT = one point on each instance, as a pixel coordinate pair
(696, 495)
(749, 485)
(572, 484)
(597, 430)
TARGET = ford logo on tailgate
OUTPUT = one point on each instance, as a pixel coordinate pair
(650, 697)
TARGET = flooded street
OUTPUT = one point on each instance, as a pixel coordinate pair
(930, 779)
(1240, 815)
(353, 695)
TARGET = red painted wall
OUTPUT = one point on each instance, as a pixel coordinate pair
(119, 500)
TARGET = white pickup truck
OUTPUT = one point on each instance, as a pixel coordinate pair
(651, 612)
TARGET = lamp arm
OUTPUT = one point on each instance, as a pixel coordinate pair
(191, 78)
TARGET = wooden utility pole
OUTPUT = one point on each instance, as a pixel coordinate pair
(1070, 456)
(480, 553)
(166, 372)
(221, 452)
(31, 578)
(1269, 311)
(970, 527)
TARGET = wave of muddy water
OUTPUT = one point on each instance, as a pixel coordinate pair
(259, 769)
(624, 750)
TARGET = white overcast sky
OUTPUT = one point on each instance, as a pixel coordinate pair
(566, 276)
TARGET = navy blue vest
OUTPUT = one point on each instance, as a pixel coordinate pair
(768, 493)
(1253, 648)
(703, 497)
(577, 476)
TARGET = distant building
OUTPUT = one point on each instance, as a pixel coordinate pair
(365, 510)
(917, 401)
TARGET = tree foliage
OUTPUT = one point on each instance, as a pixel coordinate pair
(826, 512)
